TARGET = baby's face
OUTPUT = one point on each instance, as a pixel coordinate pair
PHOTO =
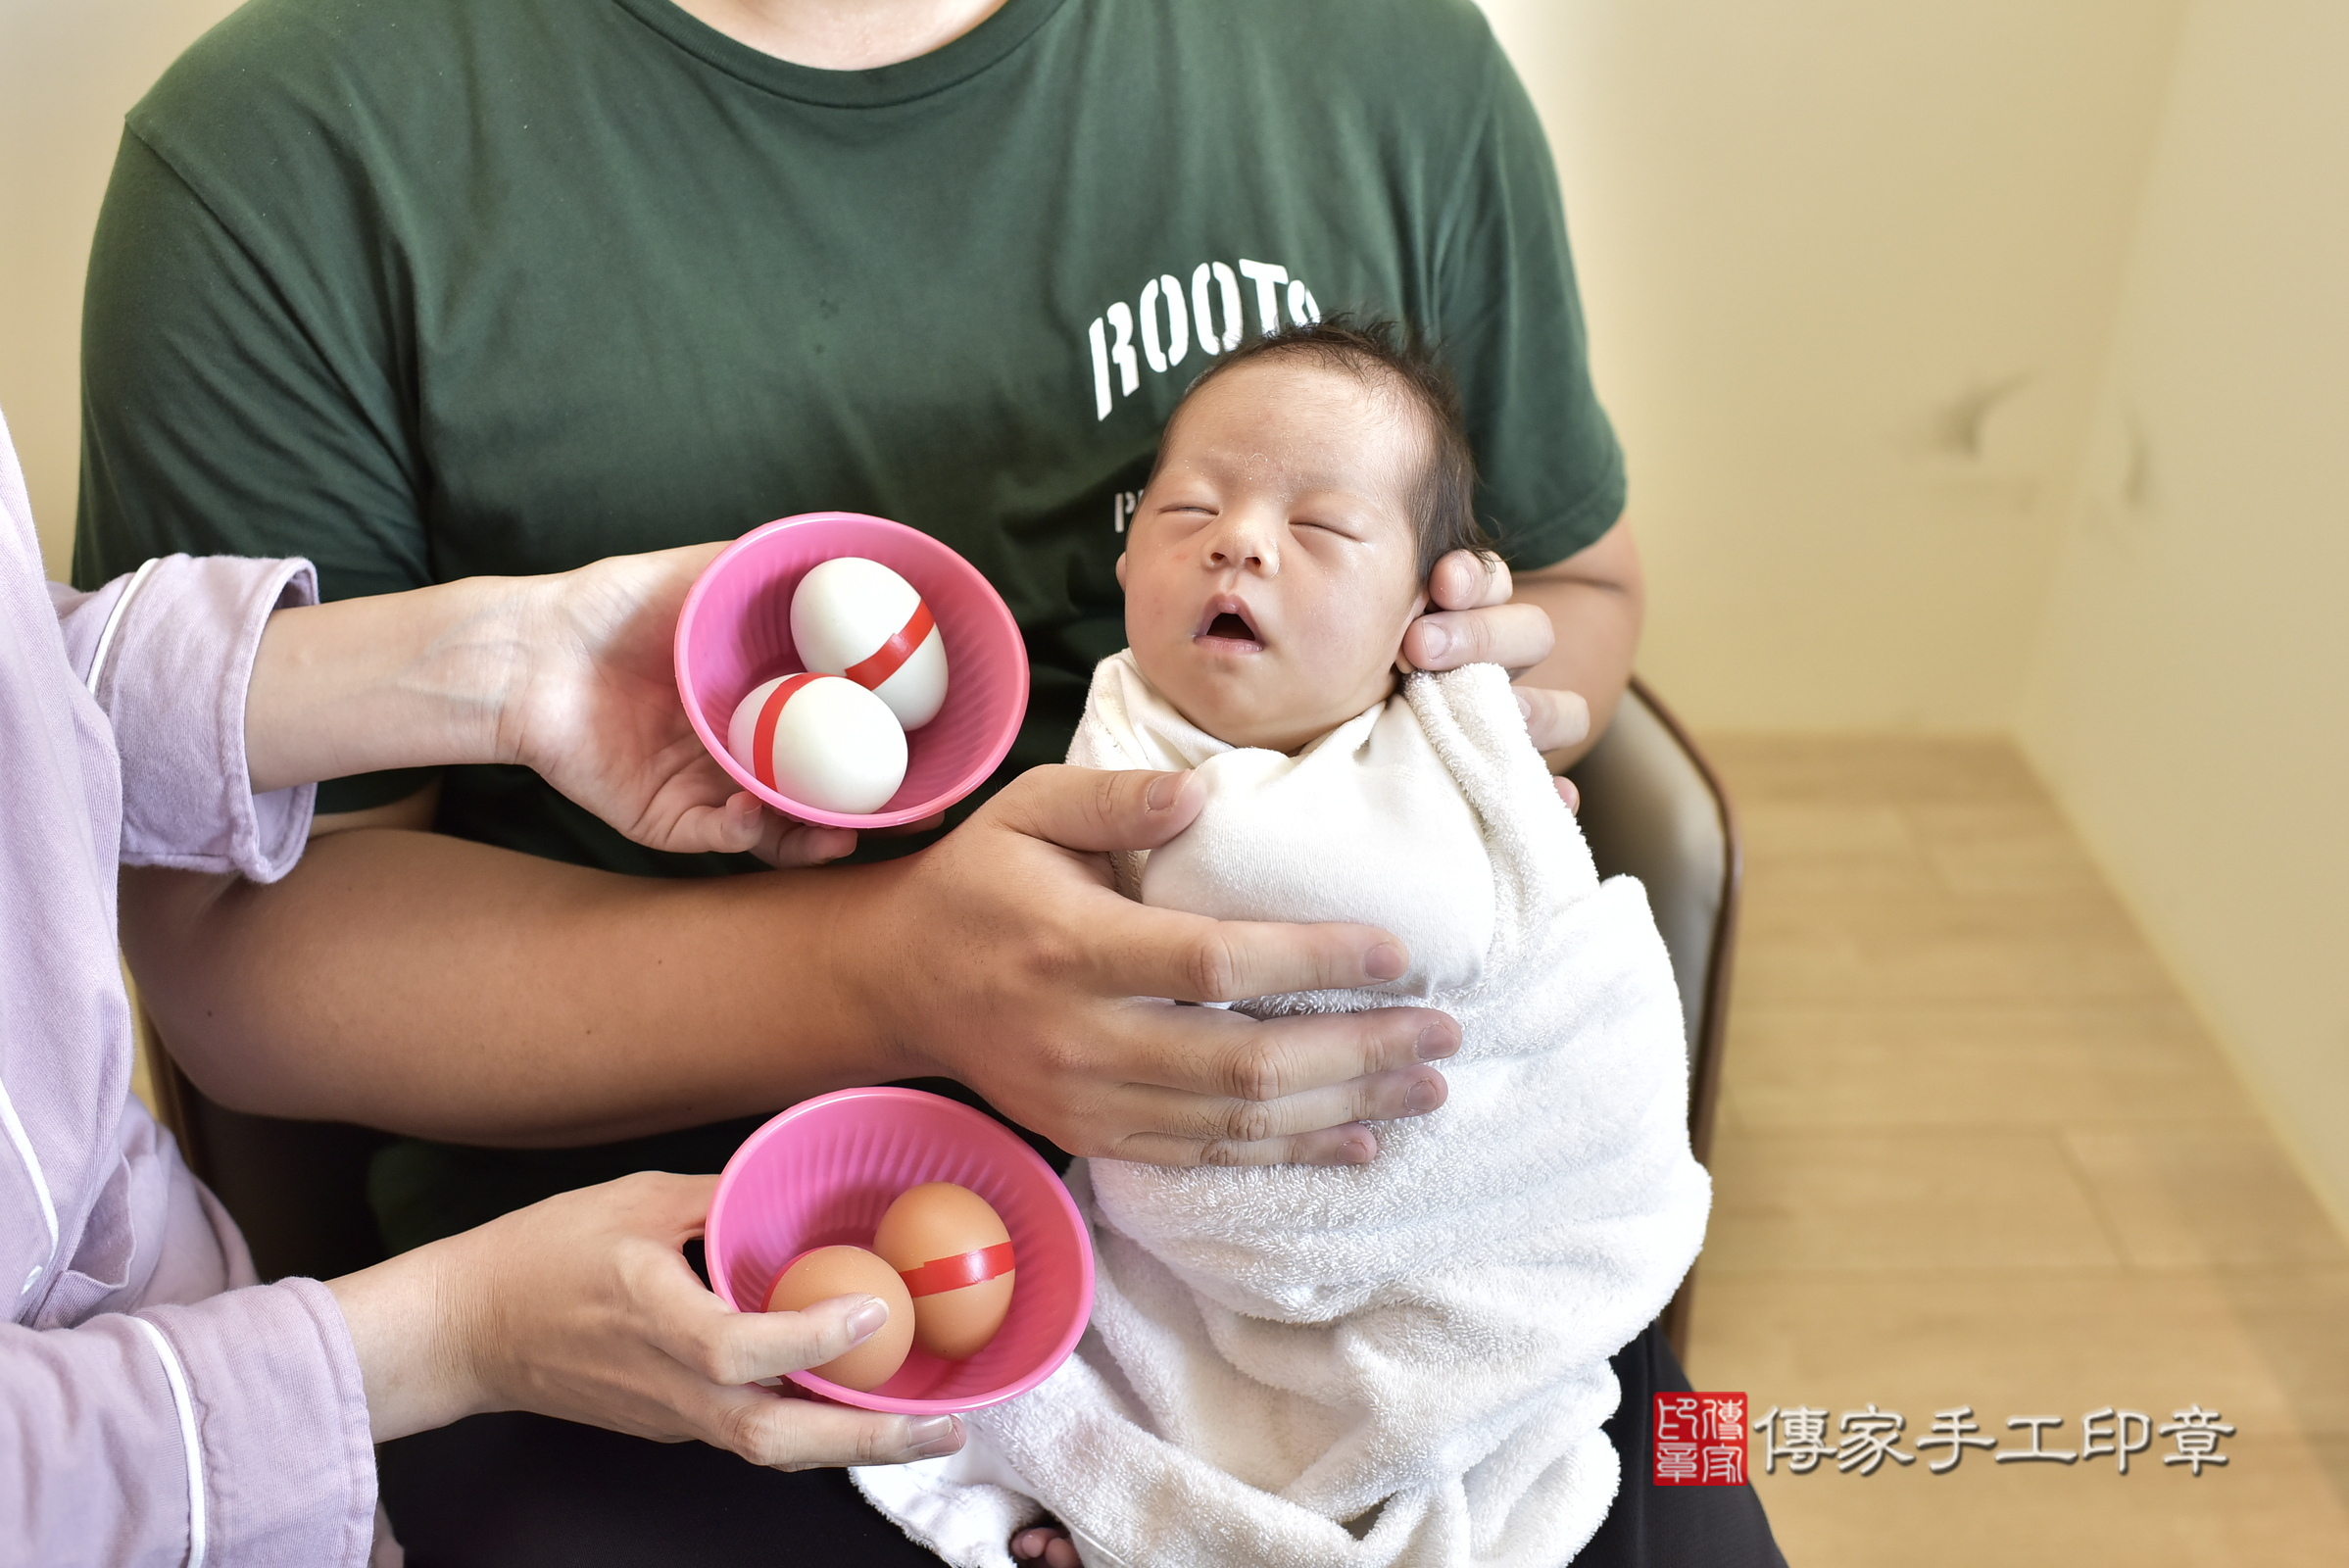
(1272, 566)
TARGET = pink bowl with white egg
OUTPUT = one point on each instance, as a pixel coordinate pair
(823, 1174)
(735, 632)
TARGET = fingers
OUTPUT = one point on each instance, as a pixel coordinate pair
(1230, 1090)
(1554, 718)
(787, 845)
(1091, 810)
(1372, 1058)
(1379, 1096)
(1473, 622)
(1141, 951)
(1465, 579)
(1568, 793)
(787, 1433)
(733, 828)
(1516, 637)
(742, 825)
(1351, 1144)
(1324, 1127)
(731, 1348)
(1282, 1057)
(1046, 1544)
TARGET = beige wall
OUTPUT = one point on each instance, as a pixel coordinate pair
(1815, 235)
(67, 70)
(1850, 268)
(2189, 699)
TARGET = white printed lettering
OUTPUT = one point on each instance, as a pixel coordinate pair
(1129, 375)
(1100, 370)
(1153, 351)
(1203, 308)
(1267, 277)
(1161, 352)
(1160, 328)
(1178, 321)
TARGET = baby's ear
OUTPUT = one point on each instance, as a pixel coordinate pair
(1121, 575)
(1419, 608)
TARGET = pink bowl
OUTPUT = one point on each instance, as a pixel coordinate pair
(822, 1173)
(735, 632)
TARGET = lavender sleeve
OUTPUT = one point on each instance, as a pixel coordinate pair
(189, 1435)
(168, 654)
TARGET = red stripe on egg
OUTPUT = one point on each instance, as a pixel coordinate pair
(762, 737)
(892, 654)
(943, 1274)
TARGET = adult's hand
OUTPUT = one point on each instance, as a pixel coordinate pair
(597, 715)
(1004, 956)
(1566, 634)
(570, 674)
(582, 1308)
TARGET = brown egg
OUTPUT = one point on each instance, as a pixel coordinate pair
(956, 1257)
(830, 1271)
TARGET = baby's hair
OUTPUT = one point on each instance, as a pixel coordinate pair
(1381, 353)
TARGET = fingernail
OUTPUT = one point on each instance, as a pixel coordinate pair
(937, 1435)
(1163, 790)
(1436, 1044)
(1385, 962)
(1433, 642)
(1425, 1095)
(1525, 704)
(866, 1318)
(1362, 1148)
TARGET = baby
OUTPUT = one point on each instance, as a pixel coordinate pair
(1403, 1363)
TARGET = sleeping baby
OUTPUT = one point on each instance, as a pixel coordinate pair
(1402, 1362)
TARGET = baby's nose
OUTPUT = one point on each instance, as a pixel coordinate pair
(1245, 547)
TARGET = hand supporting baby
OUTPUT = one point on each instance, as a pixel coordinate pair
(1481, 616)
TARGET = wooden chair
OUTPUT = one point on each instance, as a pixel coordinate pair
(1651, 807)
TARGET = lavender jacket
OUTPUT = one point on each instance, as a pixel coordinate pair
(156, 1407)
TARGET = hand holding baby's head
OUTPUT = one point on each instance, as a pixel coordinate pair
(1305, 486)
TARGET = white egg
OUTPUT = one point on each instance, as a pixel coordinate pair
(828, 742)
(855, 618)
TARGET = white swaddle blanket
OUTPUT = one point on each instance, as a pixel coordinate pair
(1404, 1363)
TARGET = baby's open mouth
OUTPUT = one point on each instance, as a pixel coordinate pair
(1226, 619)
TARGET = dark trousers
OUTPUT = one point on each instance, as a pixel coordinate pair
(523, 1491)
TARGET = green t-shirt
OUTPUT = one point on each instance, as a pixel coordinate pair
(425, 288)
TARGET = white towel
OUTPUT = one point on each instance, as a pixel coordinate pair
(1402, 1363)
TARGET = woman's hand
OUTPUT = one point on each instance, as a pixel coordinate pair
(570, 674)
(597, 715)
(582, 1308)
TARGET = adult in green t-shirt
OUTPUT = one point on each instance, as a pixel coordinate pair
(427, 288)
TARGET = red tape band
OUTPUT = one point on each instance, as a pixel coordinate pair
(762, 736)
(891, 657)
(943, 1274)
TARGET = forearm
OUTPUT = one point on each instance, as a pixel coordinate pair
(396, 680)
(407, 1318)
(1596, 601)
(441, 988)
